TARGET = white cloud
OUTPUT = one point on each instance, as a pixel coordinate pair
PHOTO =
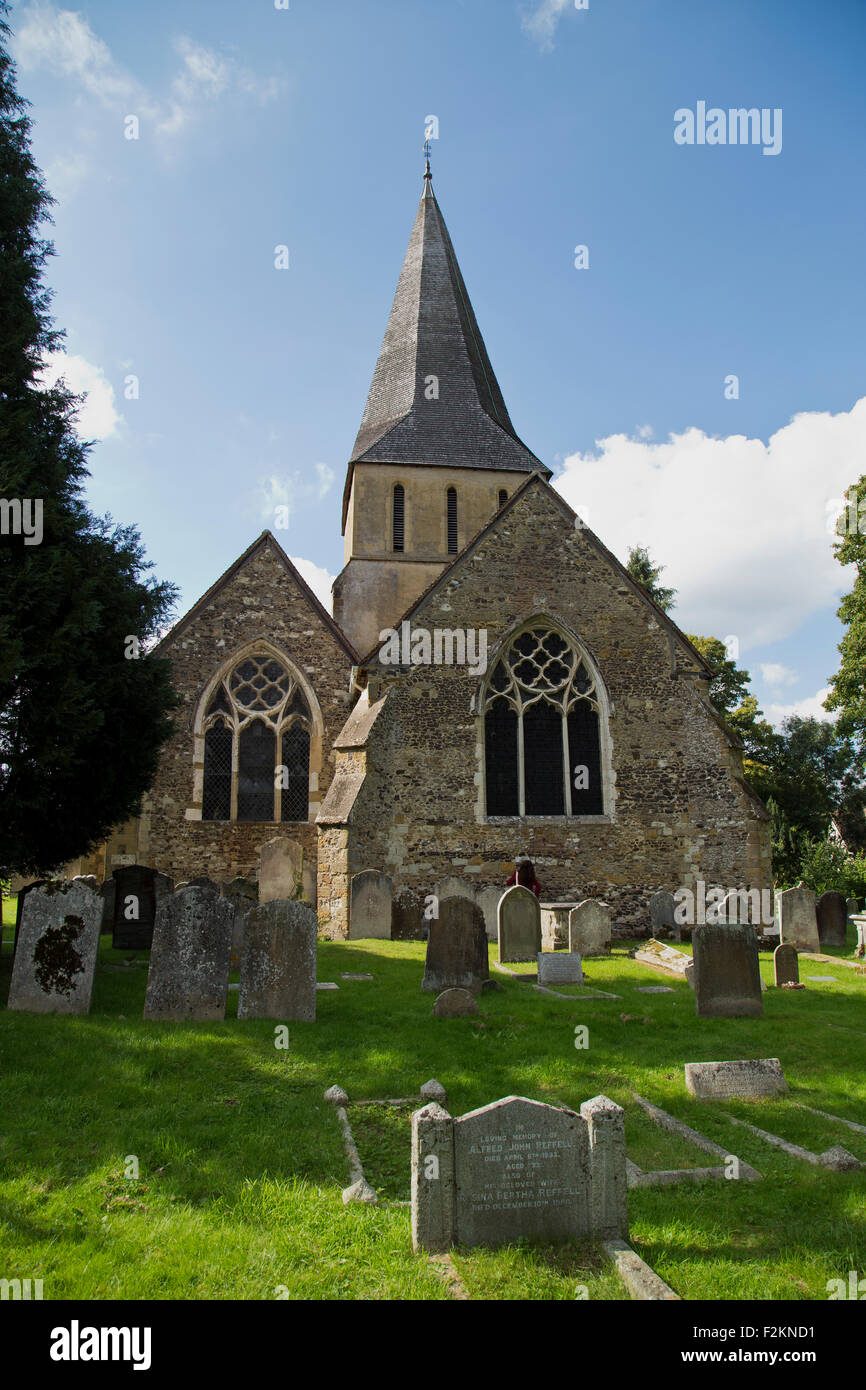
(775, 674)
(62, 42)
(541, 23)
(742, 527)
(97, 417)
(325, 475)
(812, 707)
(319, 580)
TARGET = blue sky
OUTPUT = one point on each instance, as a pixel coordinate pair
(303, 127)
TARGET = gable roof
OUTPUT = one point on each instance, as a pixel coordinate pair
(265, 540)
(432, 331)
(536, 480)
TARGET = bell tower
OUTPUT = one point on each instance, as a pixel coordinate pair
(436, 454)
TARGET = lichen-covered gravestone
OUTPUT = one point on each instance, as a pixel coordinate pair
(278, 966)
(456, 948)
(589, 929)
(58, 942)
(727, 977)
(370, 906)
(518, 920)
(517, 1169)
(798, 922)
(662, 906)
(189, 960)
(786, 970)
(831, 910)
(281, 868)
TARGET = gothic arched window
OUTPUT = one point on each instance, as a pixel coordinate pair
(542, 729)
(257, 745)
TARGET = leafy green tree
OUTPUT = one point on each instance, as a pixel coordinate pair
(645, 573)
(848, 686)
(81, 719)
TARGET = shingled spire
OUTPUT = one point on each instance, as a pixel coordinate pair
(432, 333)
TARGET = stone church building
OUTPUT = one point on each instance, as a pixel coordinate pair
(528, 697)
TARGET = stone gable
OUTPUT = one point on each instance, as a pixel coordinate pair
(260, 599)
(677, 810)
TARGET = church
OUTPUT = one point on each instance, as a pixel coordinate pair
(492, 680)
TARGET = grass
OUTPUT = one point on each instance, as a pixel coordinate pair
(241, 1163)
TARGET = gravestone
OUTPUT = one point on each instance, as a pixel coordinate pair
(662, 906)
(370, 904)
(189, 960)
(454, 1003)
(58, 942)
(727, 977)
(831, 910)
(278, 966)
(798, 923)
(554, 925)
(518, 921)
(281, 868)
(741, 1080)
(666, 958)
(109, 897)
(242, 893)
(454, 887)
(309, 883)
(589, 928)
(487, 899)
(408, 920)
(852, 905)
(518, 1169)
(201, 882)
(559, 968)
(786, 970)
(138, 890)
(456, 948)
(19, 907)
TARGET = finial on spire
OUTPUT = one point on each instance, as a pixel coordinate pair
(427, 175)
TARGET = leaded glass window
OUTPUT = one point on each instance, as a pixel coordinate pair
(542, 729)
(257, 730)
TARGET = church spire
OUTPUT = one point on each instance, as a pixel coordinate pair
(434, 398)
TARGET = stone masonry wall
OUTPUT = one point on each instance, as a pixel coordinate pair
(680, 811)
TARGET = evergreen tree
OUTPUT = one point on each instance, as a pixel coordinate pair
(81, 720)
(645, 573)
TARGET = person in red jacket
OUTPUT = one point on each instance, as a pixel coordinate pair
(524, 874)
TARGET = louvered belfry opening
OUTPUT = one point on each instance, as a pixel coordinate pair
(257, 715)
(503, 496)
(542, 729)
(399, 515)
(451, 517)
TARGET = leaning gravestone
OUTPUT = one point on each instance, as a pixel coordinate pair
(19, 907)
(189, 960)
(138, 891)
(281, 868)
(278, 967)
(831, 910)
(370, 906)
(786, 970)
(456, 948)
(559, 968)
(58, 942)
(242, 893)
(517, 1169)
(798, 923)
(741, 1080)
(727, 976)
(662, 906)
(518, 920)
(589, 928)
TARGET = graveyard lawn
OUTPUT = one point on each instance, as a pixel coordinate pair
(241, 1162)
